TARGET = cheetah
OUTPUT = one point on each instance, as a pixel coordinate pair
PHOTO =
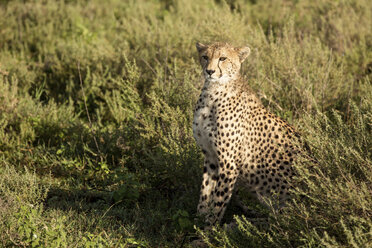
(240, 139)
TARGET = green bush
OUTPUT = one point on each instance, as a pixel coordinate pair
(96, 106)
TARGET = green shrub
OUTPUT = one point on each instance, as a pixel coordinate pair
(96, 106)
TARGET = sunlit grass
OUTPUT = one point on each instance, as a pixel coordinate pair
(96, 104)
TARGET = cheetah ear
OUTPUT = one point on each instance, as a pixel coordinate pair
(243, 53)
(200, 47)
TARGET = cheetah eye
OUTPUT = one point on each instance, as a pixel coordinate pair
(205, 57)
(222, 58)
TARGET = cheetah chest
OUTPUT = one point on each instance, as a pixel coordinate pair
(204, 123)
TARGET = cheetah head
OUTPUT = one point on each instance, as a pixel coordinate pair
(220, 61)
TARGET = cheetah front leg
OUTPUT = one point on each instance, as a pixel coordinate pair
(224, 187)
(208, 185)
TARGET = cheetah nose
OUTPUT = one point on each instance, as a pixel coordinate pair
(210, 72)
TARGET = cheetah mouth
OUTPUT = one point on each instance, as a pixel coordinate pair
(207, 76)
(211, 78)
(215, 79)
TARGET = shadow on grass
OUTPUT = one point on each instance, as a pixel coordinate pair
(150, 217)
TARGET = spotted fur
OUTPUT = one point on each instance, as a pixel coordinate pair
(240, 139)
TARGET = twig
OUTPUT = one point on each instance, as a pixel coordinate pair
(109, 209)
(184, 239)
(270, 100)
(149, 66)
(88, 115)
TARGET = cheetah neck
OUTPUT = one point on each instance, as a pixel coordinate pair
(233, 88)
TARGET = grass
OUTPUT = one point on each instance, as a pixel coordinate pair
(96, 105)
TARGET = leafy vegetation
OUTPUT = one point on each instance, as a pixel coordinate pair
(96, 105)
